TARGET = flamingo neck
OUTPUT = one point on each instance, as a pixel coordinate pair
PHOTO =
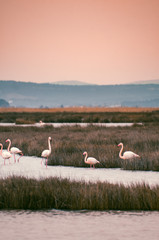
(85, 158)
(49, 145)
(1, 148)
(8, 149)
(121, 152)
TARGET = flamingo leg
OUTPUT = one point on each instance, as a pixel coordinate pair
(46, 161)
(93, 166)
(41, 161)
(20, 157)
(14, 158)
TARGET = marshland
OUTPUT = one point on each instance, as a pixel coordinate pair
(58, 200)
(68, 145)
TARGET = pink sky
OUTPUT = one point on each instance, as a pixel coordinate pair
(95, 41)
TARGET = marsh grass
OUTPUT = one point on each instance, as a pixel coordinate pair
(87, 115)
(23, 193)
(69, 143)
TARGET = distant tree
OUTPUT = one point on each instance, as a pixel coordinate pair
(4, 103)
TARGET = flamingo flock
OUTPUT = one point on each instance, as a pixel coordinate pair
(6, 155)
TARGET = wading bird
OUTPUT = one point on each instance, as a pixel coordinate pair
(90, 160)
(127, 154)
(5, 155)
(14, 150)
(41, 123)
(46, 153)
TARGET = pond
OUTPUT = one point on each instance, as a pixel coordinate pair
(31, 167)
(74, 225)
(56, 125)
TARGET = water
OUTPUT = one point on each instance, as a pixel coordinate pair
(77, 225)
(31, 167)
(74, 225)
(56, 125)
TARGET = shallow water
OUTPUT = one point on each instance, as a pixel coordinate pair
(73, 225)
(31, 167)
(56, 125)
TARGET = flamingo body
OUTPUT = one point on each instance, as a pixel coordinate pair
(41, 123)
(127, 154)
(46, 153)
(14, 150)
(90, 160)
(5, 154)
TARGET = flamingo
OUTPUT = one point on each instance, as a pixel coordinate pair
(5, 155)
(46, 153)
(41, 123)
(14, 150)
(127, 154)
(90, 160)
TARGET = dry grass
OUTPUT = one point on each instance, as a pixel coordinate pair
(80, 109)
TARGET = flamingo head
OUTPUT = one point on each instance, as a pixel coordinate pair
(85, 153)
(120, 144)
(50, 138)
(8, 140)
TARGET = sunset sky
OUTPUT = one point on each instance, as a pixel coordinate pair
(94, 41)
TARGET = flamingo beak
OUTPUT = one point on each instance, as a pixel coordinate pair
(118, 145)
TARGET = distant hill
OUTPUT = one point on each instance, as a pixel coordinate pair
(76, 83)
(147, 82)
(27, 94)
(4, 103)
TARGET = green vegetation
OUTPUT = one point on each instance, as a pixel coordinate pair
(23, 193)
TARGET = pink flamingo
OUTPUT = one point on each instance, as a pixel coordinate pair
(127, 154)
(90, 160)
(41, 123)
(14, 150)
(46, 153)
(5, 155)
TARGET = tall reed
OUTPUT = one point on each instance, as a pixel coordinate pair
(23, 193)
(91, 115)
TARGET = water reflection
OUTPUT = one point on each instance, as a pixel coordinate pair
(56, 224)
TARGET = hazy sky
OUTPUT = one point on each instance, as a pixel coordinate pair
(96, 41)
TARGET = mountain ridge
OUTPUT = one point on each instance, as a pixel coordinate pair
(29, 94)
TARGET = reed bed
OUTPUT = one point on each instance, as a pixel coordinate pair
(23, 193)
(69, 143)
(98, 115)
(80, 109)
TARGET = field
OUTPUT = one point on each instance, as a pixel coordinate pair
(68, 145)
(80, 109)
(83, 114)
